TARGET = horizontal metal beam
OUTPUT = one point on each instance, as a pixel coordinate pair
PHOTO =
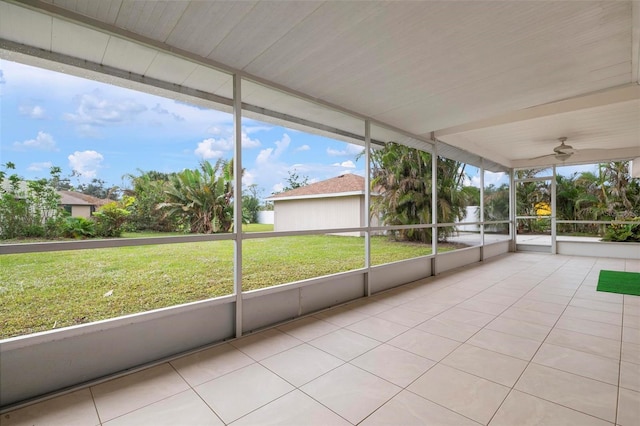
(12, 51)
(305, 123)
(112, 243)
(627, 92)
(17, 52)
(53, 10)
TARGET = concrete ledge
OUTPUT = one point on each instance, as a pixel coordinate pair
(533, 247)
(37, 364)
(454, 259)
(599, 249)
(384, 277)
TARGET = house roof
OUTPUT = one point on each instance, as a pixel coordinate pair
(346, 184)
(72, 198)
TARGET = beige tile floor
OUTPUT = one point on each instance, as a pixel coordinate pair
(521, 340)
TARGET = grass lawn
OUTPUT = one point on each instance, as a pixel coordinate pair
(41, 291)
(257, 227)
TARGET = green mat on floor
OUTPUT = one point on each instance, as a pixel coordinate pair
(619, 282)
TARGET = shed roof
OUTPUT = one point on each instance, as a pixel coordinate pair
(73, 198)
(346, 184)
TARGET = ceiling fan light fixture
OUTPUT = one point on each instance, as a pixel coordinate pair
(563, 156)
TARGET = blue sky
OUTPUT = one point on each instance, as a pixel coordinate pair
(106, 132)
(103, 131)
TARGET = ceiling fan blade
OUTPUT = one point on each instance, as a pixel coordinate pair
(541, 156)
(593, 151)
(564, 149)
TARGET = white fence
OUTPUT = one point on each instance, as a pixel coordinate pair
(266, 216)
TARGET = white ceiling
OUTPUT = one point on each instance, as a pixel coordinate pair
(500, 79)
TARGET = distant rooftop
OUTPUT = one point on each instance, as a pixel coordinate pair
(346, 183)
(73, 198)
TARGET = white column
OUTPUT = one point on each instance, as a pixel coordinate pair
(237, 200)
(553, 212)
(512, 211)
(434, 207)
(367, 204)
(482, 209)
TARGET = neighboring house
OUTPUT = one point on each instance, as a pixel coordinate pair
(76, 203)
(333, 203)
(80, 205)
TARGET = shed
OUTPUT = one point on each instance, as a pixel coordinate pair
(333, 203)
(80, 205)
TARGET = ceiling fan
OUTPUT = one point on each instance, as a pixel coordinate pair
(563, 151)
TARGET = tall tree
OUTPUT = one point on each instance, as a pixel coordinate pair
(203, 197)
(403, 177)
(496, 202)
(251, 203)
(148, 191)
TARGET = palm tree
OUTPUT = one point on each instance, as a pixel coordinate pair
(403, 177)
(532, 198)
(203, 197)
(496, 202)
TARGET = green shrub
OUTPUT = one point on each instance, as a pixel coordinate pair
(627, 232)
(28, 208)
(111, 219)
(79, 227)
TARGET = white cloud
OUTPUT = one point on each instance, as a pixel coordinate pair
(263, 156)
(34, 111)
(255, 129)
(335, 152)
(213, 148)
(43, 142)
(350, 164)
(160, 110)
(86, 163)
(349, 150)
(37, 167)
(94, 110)
(248, 178)
(247, 142)
(282, 145)
(278, 187)
(490, 178)
(271, 154)
(495, 178)
(569, 170)
(216, 148)
(303, 148)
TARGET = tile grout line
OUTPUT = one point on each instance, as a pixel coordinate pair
(368, 372)
(554, 326)
(481, 328)
(564, 406)
(196, 392)
(95, 406)
(462, 343)
(620, 363)
(541, 343)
